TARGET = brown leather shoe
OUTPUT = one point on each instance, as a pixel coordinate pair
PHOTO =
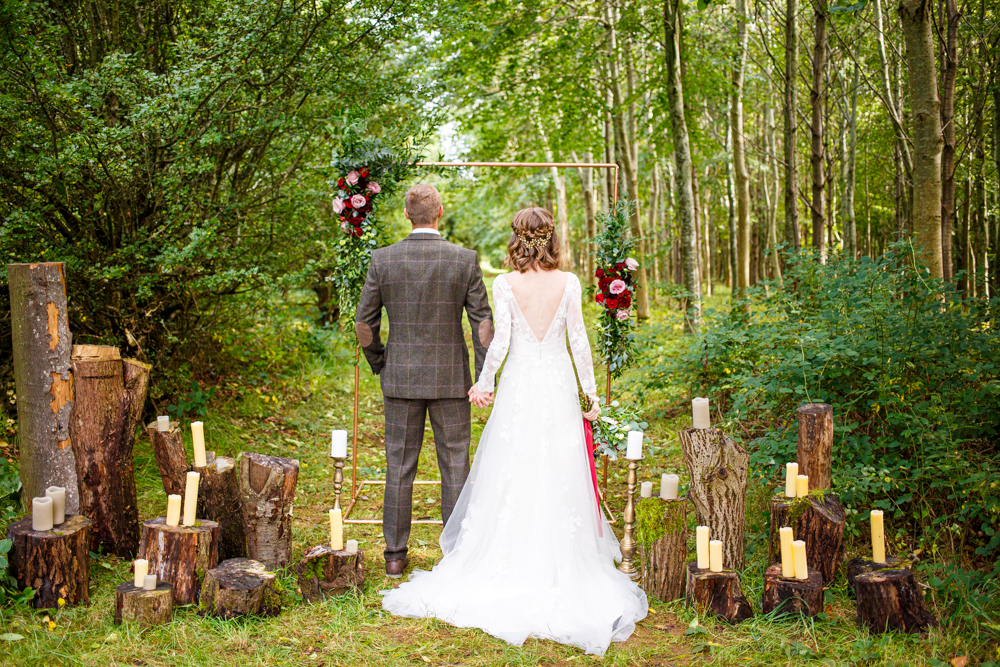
(394, 568)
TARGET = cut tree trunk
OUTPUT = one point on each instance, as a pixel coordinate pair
(859, 566)
(110, 394)
(815, 451)
(819, 521)
(55, 563)
(717, 467)
(663, 564)
(717, 592)
(42, 346)
(168, 447)
(891, 600)
(324, 572)
(238, 587)
(267, 487)
(180, 555)
(792, 596)
(219, 500)
(136, 605)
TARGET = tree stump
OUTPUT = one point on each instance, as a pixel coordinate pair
(136, 605)
(663, 562)
(219, 500)
(323, 572)
(815, 450)
(890, 600)
(56, 563)
(717, 592)
(109, 395)
(858, 566)
(180, 555)
(818, 520)
(42, 346)
(718, 470)
(237, 587)
(267, 489)
(792, 596)
(168, 447)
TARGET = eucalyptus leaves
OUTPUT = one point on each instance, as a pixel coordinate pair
(611, 430)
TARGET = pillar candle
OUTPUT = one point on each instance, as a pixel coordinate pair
(336, 530)
(198, 439)
(802, 486)
(699, 408)
(791, 473)
(646, 490)
(668, 486)
(338, 444)
(799, 554)
(352, 546)
(191, 498)
(141, 568)
(634, 449)
(878, 537)
(58, 496)
(715, 555)
(701, 539)
(149, 582)
(163, 423)
(41, 513)
(787, 557)
(173, 509)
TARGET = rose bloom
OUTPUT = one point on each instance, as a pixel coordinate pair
(619, 265)
(617, 286)
(338, 205)
(343, 225)
(357, 201)
(625, 300)
(341, 183)
(631, 264)
(364, 172)
(603, 283)
(599, 298)
(611, 303)
(599, 273)
(352, 178)
(374, 188)
(622, 315)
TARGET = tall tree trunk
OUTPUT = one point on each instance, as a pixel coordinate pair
(731, 205)
(608, 182)
(772, 205)
(965, 248)
(739, 153)
(950, 63)
(707, 216)
(849, 223)
(790, 110)
(925, 106)
(586, 178)
(654, 212)
(682, 157)
(816, 95)
(562, 216)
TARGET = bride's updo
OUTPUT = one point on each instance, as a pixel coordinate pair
(534, 244)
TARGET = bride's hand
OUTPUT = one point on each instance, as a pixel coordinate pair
(595, 411)
(478, 398)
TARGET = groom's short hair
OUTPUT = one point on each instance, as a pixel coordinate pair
(423, 202)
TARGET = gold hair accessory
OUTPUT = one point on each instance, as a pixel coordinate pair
(535, 243)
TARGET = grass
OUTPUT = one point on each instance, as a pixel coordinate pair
(288, 408)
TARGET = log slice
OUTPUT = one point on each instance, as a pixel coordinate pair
(815, 449)
(180, 555)
(818, 520)
(891, 600)
(663, 563)
(137, 605)
(267, 490)
(55, 563)
(792, 596)
(238, 587)
(168, 448)
(219, 500)
(717, 592)
(323, 572)
(859, 566)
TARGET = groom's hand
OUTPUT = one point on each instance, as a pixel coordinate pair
(480, 399)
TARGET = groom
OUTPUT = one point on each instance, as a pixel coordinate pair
(424, 282)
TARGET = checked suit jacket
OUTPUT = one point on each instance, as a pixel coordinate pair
(424, 283)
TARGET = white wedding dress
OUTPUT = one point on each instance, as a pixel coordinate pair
(527, 551)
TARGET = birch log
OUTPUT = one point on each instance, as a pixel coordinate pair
(267, 489)
(42, 346)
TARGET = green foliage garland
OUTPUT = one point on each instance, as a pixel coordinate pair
(616, 288)
(611, 430)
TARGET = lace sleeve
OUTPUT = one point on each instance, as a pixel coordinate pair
(578, 341)
(501, 338)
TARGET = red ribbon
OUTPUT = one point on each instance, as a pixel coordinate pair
(588, 435)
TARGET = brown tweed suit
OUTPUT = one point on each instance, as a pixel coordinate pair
(424, 283)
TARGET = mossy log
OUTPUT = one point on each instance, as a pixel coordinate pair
(237, 587)
(137, 605)
(858, 566)
(55, 563)
(662, 524)
(792, 596)
(819, 521)
(219, 500)
(717, 592)
(815, 449)
(890, 600)
(180, 555)
(168, 448)
(267, 490)
(323, 572)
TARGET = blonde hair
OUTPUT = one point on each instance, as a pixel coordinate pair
(534, 244)
(423, 203)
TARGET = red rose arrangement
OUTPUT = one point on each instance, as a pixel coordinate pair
(355, 201)
(615, 288)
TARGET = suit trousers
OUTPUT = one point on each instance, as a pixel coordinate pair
(451, 420)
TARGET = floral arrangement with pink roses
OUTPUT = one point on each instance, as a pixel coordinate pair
(355, 200)
(616, 288)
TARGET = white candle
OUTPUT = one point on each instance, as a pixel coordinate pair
(41, 513)
(791, 473)
(668, 486)
(878, 537)
(715, 555)
(787, 557)
(338, 444)
(149, 582)
(634, 449)
(799, 554)
(352, 546)
(163, 423)
(336, 530)
(198, 439)
(191, 498)
(801, 486)
(701, 540)
(141, 568)
(699, 407)
(58, 496)
(646, 490)
(173, 509)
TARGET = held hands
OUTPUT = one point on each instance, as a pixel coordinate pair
(595, 410)
(480, 399)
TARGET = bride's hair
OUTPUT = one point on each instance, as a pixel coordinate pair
(534, 243)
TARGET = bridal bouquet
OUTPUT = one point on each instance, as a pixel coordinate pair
(616, 288)
(355, 200)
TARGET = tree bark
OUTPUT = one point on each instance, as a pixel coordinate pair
(219, 500)
(859, 566)
(891, 600)
(816, 97)
(965, 262)
(849, 222)
(663, 565)
(717, 592)
(110, 394)
(180, 555)
(267, 487)
(950, 64)
(792, 596)
(148, 608)
(562, 215)
(915, 16)
(772, 202)
(55, 563)
(42, 346)
(238, 587)
(731, 206)
(790, 110)
(739, 153)
(171, 459)
(815, 449)
(323, 572)
(586, 177)
(819, 521)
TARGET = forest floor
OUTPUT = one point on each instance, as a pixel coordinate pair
(289, 410)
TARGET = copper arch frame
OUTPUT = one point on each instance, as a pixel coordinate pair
(355, 487)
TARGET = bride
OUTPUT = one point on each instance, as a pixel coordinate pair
(527, 551)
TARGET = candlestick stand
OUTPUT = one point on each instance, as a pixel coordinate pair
(628, 542)
(338, 480)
